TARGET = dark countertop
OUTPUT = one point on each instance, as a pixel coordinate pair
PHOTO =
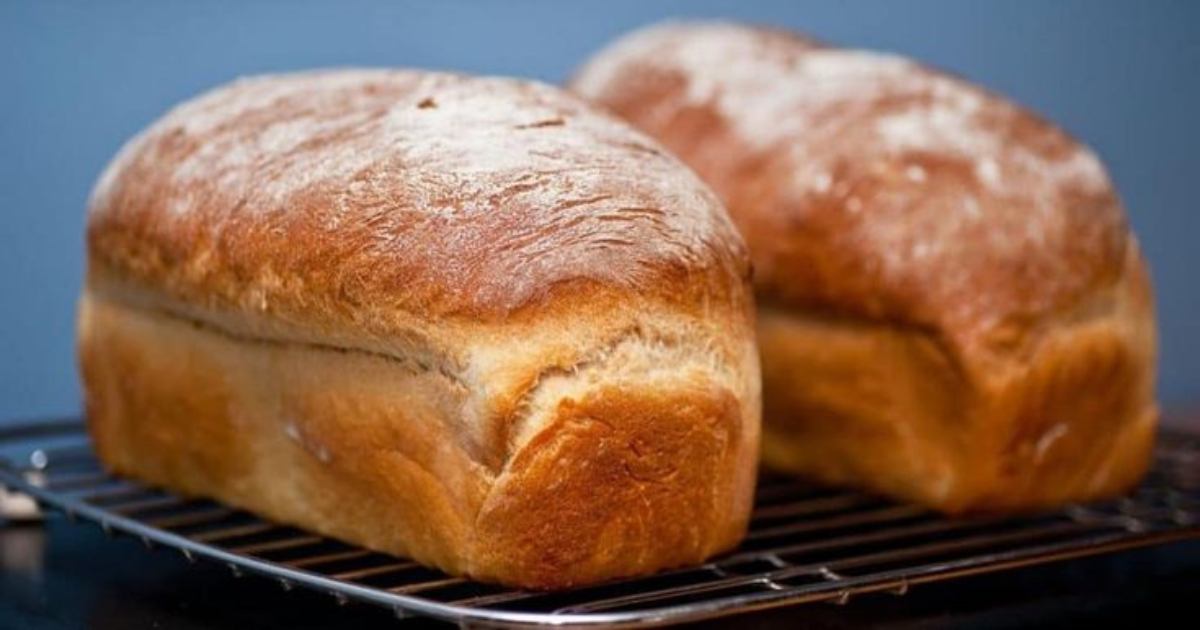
(69, 575)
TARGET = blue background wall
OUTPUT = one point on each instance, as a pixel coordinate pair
(76, 79)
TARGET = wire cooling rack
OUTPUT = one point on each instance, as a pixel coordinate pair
(804, 544)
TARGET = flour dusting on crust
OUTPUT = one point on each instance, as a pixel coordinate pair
(468, 193)
(867, 182)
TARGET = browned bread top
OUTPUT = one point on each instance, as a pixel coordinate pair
(871, 186)
(348, 198)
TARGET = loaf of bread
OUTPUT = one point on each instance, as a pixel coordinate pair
(952, 307)
(468, 320)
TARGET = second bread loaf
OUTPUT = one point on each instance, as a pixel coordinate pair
(953, 309)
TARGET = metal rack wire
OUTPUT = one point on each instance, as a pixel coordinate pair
(804, 545)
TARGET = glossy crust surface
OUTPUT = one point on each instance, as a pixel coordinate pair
(465, 320)
(893, 208)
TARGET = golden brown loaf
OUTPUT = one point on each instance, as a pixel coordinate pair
(952, 307)
(467, 320)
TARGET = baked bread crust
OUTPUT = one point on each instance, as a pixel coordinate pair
(982, 250)
(467, 320)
